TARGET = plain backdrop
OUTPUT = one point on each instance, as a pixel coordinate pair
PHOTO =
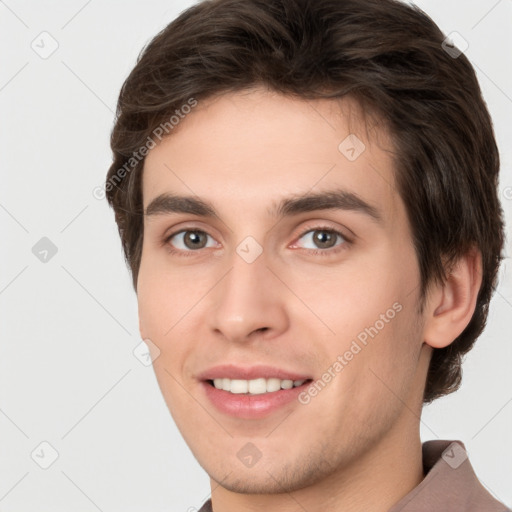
(68, 325)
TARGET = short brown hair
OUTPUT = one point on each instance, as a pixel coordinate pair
(390, 57)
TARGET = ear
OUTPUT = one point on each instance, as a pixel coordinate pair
(450, 306)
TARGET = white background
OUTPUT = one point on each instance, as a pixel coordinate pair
(68, 326)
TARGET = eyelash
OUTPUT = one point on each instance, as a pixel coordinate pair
(317, 252)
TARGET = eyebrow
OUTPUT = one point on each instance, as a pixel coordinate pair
(337, 199)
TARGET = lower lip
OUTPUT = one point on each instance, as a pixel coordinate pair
(251, 406)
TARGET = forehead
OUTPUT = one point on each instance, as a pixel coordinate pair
(247, 150)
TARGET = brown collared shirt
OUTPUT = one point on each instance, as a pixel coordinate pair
(450, 484)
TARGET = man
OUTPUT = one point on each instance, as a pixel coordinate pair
(307, 201)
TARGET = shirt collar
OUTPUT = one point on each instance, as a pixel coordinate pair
(450, 483)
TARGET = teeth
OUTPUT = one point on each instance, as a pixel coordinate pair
(255, 386)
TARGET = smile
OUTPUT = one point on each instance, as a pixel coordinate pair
(255, 386)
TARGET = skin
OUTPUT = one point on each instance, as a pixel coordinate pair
(356, 445)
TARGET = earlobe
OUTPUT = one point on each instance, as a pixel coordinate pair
(450, 306)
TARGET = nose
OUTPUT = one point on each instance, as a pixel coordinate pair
(248, 301)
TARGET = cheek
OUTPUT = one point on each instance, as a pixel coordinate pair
(374, 385)
(152, 308)
(160, 309)
(156, 300)
(388, 365)
(161, 289)
(375, 326)
(165, 307)
(352, 297)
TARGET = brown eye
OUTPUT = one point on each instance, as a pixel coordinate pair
(323, 238)
(186, 240)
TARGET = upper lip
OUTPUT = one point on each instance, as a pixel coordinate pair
(232, 371)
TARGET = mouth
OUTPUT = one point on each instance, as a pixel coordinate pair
(254, 392)
(258, 386)
(254, 399)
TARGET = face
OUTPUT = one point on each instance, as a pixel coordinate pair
(322, 290)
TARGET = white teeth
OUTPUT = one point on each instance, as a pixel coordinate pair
(273, 385)
(255, 386)
(239, 386)
(287, 384)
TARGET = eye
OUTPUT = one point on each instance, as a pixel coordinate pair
(324, 239)
(188, 240)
